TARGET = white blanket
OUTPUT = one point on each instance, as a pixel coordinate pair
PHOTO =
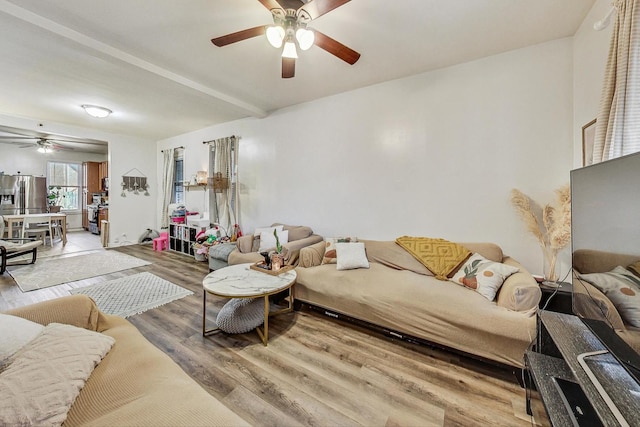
(46, 376)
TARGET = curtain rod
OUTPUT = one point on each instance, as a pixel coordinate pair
(162, 151)
(213, 140)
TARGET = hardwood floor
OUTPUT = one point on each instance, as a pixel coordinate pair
(315, 371)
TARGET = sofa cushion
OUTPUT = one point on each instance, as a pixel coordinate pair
(490, 251)
(330, 255)
(268, 239)
(440, 256)
(483, 276)
(298, 232)
(15, 333)
(351, 256)
(622, 288)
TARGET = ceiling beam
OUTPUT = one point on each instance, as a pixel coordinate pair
(61, 30)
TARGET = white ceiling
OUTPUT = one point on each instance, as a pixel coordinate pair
(152, 62)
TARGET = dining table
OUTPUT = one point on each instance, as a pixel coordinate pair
(16, 220)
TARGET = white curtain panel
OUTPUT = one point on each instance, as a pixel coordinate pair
(618, 124)
(223, 206)
(167, 185)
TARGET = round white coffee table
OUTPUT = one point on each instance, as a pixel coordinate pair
(240, 281)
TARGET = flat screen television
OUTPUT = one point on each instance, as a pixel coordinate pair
(605, 234)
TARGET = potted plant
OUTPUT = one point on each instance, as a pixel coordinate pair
(54, 198)
(277, 258)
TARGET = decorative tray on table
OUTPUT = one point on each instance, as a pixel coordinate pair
(262, 267)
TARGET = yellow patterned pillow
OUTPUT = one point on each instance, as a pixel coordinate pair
(440, 256)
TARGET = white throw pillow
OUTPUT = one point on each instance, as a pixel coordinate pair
(622, 287)
(351, 256)
(483, 276)
(15, 333)
(268, 240)
(258, 231)
(330, 254)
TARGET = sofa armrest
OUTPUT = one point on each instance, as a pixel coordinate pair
(75, 310)
(237, 257)
(311, 256)
(245, 244)
(520, 292)
(291, 250)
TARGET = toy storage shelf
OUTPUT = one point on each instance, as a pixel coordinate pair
(182, 237)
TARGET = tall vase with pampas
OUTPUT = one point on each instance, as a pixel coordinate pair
(553, 232)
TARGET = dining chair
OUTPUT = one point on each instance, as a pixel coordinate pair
(38, 225)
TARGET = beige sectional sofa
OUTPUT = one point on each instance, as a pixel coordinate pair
(135, 384)
(398, 294)
(299, 237)
(592, 303)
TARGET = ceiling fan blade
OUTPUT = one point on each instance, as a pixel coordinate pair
(282, 4)
(288, 68)
(336, 48)
(239, 36)
(317, 8)
(270, 4)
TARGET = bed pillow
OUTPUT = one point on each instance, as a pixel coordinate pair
(15, 333)
(268, 240)
(330, 256)
(351, 256)
(622, 288)
(483, 276)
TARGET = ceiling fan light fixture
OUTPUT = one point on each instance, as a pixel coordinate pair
(96, 111)
(305, 38)
(275, 35)
(289, 50)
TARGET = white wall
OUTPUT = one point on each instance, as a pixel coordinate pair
(590, 52)
(130, 215)
(434, 154)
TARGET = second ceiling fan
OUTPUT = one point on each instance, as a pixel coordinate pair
(291, 19)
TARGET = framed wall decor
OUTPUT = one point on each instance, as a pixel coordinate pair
(588, 138)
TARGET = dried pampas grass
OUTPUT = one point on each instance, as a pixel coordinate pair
(555, 231)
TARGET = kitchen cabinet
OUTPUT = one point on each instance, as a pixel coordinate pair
(104, 174)
(91, 183)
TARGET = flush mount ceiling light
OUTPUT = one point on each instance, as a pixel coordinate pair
(290, 29)
(96, 111)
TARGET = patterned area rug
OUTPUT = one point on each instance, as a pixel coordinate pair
(54, 271)
(133, 294)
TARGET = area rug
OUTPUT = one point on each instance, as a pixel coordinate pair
(133, 294)
(54, 271)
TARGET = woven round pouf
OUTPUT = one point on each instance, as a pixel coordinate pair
(241, 315)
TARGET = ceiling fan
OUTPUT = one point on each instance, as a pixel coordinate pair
(44, 145)
(291, 19)
(48, 142)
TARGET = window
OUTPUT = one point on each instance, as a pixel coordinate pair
(178, 177)
(64, 181)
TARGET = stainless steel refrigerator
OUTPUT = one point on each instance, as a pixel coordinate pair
(23, 194)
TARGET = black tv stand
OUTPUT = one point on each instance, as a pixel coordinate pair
(567, 350)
